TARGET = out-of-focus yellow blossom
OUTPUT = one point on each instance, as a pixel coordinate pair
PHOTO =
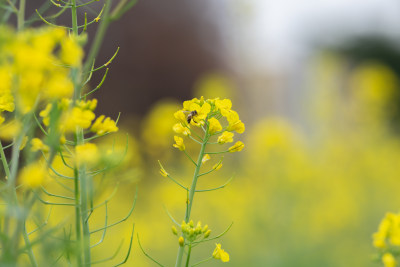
(238, 146)
(87, 153)
(78, 117)
(101, 127)
(71, 53)
(178, 128)
(2, 119)
(37, 145)
(23, 142)
(205, 158)
(45, 114)
(10, 130)
(220, 254)
(225, 137)
(88, 104)
(389, 229)
(179, 143)
(6, 102)
(213, 85)
(163, 173)
(214, 126)
(59, 86)
(217, 166)
(5, 78)
(30, 69)
(33, 175)
(388, 260)
(174, 230)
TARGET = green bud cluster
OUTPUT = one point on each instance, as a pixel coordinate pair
(192, 233)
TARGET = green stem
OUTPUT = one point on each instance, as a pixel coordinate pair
(21, 15)
(74, 18)
(4, 161)
(188, 255)
(98, 39)
(77, 216)
(192, 191)
(84, 205)
(26, 238)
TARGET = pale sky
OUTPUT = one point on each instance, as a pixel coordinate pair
(274, 32)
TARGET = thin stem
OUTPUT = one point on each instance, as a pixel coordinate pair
(188, 255)
(74, 18)
(4, 161)
(28, 244)
(83, 181)
(21, 15)
(98, 40)
(192, 192)
(203, 261)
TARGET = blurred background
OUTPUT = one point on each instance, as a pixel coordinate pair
(316, 84)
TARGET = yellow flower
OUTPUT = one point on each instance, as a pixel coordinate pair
(97, 19)
(217, 166)
(225, 137)
(2, 119)
(7, 102)
(179, 143)
(58, 86)
(238, 146)
(33, 175)
(45, 114)
(389, 228)
(220, 254)
(87, 153)
(89, 104)
(71, 52)
(214, 126)
(37, 145)
(178, 128)
(23, 142)
(205, 158)
(180, 115)
(78, 117)
(202, 109)
(10, 130)
(163, 173)
(388, 260)
(224, 106)
(101, 127)
(235, 124)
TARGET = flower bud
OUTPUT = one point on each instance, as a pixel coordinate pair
(181, 241)
(191, 224)
(205, 228)
(207, 234)
(174, 230)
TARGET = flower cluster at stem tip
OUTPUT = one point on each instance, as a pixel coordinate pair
(209, 114)
(387, 238)
(37, 69)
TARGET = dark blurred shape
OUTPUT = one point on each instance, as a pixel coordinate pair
(165, 47)
(380, 49)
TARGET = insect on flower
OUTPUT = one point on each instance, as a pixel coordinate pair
(191, 115)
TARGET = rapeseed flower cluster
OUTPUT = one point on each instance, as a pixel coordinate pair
(35, 67)
(209, 113)
(387, 238)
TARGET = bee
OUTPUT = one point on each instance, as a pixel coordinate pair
(191, 115)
